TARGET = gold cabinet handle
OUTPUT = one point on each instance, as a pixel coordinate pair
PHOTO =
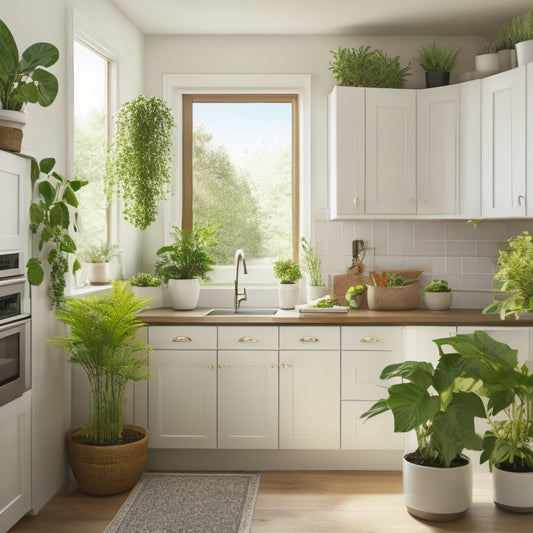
(274, 365)
(181, 338)
(211, 366)
(247, 339)
(308, 339)
(369, 339)
(220, 367)
(285, 365)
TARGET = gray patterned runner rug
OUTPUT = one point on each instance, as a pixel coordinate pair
(187, 502)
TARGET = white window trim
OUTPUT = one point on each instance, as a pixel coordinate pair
(176, 85)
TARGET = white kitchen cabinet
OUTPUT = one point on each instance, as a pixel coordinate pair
(309, 388)
(529, 140)
(15, 460)
(504, 144)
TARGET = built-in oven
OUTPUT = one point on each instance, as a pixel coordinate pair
(14, 300)
(15, 364)
(11, 264)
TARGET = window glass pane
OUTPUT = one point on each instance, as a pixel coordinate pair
(242, 177)
(90, 141)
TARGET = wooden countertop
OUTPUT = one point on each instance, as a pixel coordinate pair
(420, 317)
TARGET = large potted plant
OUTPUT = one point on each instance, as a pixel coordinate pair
(508, 387)
(184, 262)
(436, 404)
(23, 80)
(106, 455)
(139, 166)
(437, 63)
(312, 266)
(288, 272)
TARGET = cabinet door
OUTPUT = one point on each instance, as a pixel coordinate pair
(390, 151)
(309, 400)
(182, 399)
(503, 164)
(248, 399)
(438, 151)
(515, 337)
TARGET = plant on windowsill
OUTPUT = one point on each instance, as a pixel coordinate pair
(107, 456)
(437, 63)
(53, 217)
(139, 165)
(147, 286)
(288, 272)
(23, 80)
(438, 295)
(312, 266)
(97, 260)
(184, 262)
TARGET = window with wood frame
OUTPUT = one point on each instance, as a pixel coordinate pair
(241, 172)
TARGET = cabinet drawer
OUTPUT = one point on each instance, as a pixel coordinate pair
(248, 338)
(309, 338)
(372, 338)
(182, 337)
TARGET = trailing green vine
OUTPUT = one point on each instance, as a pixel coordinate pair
(139, 166)
(51, 217)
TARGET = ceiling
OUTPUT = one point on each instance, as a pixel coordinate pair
(322, 17)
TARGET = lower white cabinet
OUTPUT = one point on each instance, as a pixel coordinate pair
(15, 460)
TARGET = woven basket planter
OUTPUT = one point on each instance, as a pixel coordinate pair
(107, 470)
(10, 139)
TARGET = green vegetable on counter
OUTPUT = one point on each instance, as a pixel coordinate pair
(325, 302)
(352, 293)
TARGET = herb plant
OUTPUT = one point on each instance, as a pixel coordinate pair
(287, 271)
(144, 279)
(311, 263)
(52, 217)
(139, 166)
(96, 253)
(510, 34)
(438, 285)
(435, 57)
(364, 67)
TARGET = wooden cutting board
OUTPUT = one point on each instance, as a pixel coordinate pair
(342, 282)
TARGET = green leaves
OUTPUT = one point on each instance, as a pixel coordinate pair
(435, 57)
(35, 271)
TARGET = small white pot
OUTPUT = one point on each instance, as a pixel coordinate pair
(183, 293)
(507, 59)
(314, 292)
(98, 273)
(439, 494)
(513, 491)
(488, 63)
(288, 295)
(438, 301)
(154, 293)
(524, 52)
(13, 119)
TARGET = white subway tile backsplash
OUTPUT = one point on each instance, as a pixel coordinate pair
(480, 265)
(454, 231)
(487, 230)
(430, 231)
(487, 248)
(477, 281)
(433, 248)
(516, 227)
(380, 238)
(401, 247)
(401, 230)
(460, 248)
(454, 266)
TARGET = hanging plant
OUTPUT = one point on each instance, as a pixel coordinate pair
(139, 166)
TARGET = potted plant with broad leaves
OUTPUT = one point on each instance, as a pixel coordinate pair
(53, 216)
(147, 286)
(106, 455)
(438, 295)
(184, 262)
(23, 80)
(508, 388)
(139, 166)
(288, 272)
(437, 404)
(437, 63)
(312, 266)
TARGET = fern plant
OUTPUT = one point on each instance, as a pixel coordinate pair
(510, 34)
(435, 57)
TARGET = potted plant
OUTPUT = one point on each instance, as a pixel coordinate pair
(139, 166)
(106, 455)
(147, 286)
(97, 260)
(23, 80)
(524, 47)
(288, 272)
(50, 217)
(508, 387)
(312, 265)
(436, 404)
(516, 274)
(184, 262)
(438, 295)
(437, 63)
(487, 61)
(393, 290)
(364, 67)
(508, 36)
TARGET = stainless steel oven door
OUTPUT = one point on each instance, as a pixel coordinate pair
(11, 263)
(15, 360)
(14, 301)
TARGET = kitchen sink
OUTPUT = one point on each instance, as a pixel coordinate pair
(242, 312)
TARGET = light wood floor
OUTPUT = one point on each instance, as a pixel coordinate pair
(303, 502)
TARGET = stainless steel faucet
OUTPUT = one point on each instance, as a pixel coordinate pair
(239, 296)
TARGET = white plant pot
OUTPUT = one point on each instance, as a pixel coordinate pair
(439, 494)
(507, 59)
(513, 491)
(288, 295)
(13, 119)
(488, 63)
(98, 273)
(314, 292)
(438, 301)
(524, 52)
(183, 293)
(154, 293)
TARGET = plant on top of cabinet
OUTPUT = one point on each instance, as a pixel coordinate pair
(364, 67)
(508, 35)
(139, 166)
(516, 272)
(52, 216)
(437, 404)
(106, 455)
(524, 48)
(288, 272)
(184, 262)
(438, 295)
(23, 80)
(437, 62)
(488, 61)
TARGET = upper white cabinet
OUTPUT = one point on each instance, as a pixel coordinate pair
(503, 137)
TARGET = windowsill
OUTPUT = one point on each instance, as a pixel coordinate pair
(88, 290)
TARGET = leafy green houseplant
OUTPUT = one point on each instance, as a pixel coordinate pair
(146, 285)
(364, 67)
(103, 340)
(139, 166)
(353, 295)
(312, 266)
(288, 272)
(434, 58)
(53, 217)
(97, 260)
(144, 279)
(437, 295)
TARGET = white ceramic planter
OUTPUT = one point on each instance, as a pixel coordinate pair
(154, 293)
(524, 52)
(288, 295)
(12, 119)
(507, 59)
(513, 491)
(314, 292)
(98, 273)
(438, 301)
(439, 494)
(183, 293)
(488, 63)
